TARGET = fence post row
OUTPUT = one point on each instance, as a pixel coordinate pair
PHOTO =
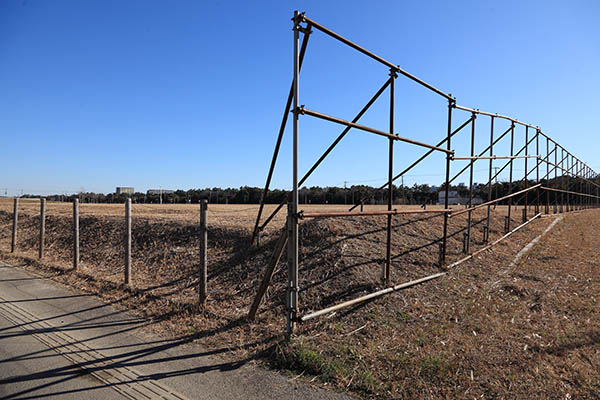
(202, 288)
(76, 234)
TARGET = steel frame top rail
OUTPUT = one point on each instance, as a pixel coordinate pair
(496, 115)
(305, 111)
(366, 52)
(516, 121)
(466, 158)
(314, 24)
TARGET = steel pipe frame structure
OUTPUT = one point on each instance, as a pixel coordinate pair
(583, 173)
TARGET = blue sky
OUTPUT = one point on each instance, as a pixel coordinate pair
(188, 94)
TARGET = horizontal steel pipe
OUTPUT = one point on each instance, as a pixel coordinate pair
(516, 121)
(491, 157)
(495, 242)
(555, 166)
(370, 296)
(374, 56)
(424, 156)
(569, 192)
(409, 284)
(303, 215)
(454, 214)
(329, 149)
(466, 167)
(340, 121)
(509, 162)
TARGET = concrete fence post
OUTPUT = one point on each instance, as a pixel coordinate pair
(128, 241)
(13, 242)
(42, 227)
(202, 289)
(76, 234)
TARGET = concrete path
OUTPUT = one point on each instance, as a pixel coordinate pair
(55, 343)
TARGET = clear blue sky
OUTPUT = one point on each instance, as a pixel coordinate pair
(178, 94)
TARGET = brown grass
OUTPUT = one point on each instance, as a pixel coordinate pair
(420, 343)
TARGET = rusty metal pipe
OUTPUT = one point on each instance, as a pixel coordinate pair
(481, 153)
(375, 57)
(496, 115)
(411, 166)
(329, 149)
(447, 186)
(340, 121)
(303, 215)
(455, 213)
(569, 192)
(388, 250)
(492, 157)
(284, 119)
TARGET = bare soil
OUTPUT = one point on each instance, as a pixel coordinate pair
(482, 331)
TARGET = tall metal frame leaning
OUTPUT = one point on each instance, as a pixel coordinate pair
(578, 174)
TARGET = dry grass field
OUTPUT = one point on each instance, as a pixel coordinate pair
(483, 331)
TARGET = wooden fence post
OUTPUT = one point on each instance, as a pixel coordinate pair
(13, 242)
(76, 234)
(128, 241)
(203, 291)
(42, 227)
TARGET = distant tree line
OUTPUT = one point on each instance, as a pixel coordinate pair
(416, 194)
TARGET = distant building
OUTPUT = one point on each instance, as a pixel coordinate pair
(124, 190)
(455, 199)
(159, 191)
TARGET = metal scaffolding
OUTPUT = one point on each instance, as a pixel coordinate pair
(577, 187)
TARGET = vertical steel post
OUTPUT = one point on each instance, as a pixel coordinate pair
(292, 287)
(547, 175)
(467, 246)
(589, 187)
(13, 242)
(555, 176)
(573, 185)
(562, 180)
(42, 228)
(451, 103)
(510, 174)
(487, 224)
(75, 234)
(203, 289)
(128, 241)
(537, 170)
(567, 180)
(580, 186)
(526, 176)
(388, 254)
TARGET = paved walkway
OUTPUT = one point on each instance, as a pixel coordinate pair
(55, 343)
